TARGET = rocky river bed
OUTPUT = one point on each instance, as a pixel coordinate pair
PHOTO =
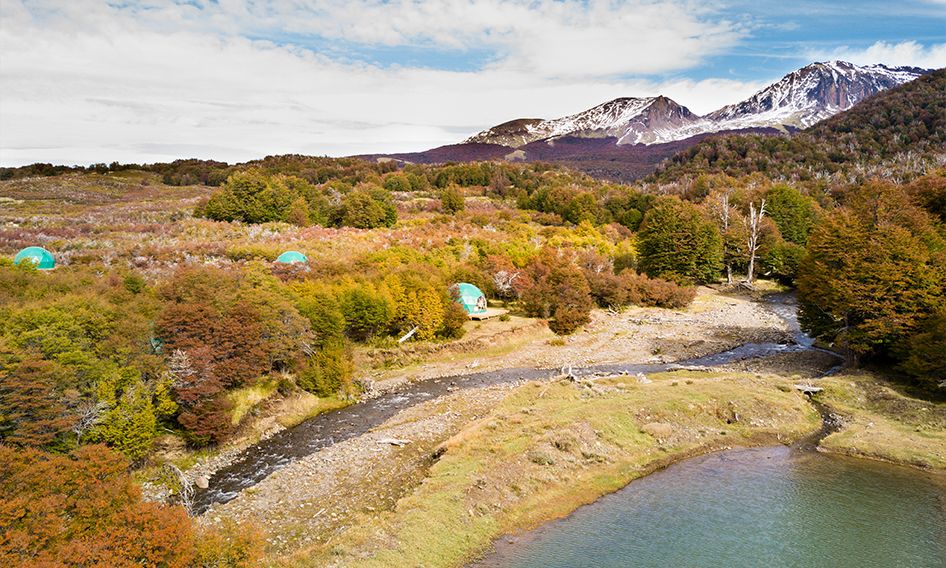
(320, 492)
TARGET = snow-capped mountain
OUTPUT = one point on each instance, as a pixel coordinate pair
(798, 100)
(630, 120)
(514, 133)
(811, 94)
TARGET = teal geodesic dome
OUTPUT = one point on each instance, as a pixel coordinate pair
(470, 297)
(291, 256)
(38, 256)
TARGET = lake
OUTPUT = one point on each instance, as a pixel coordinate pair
(751, 507)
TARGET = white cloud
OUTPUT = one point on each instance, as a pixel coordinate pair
(552, 38)
(910, 54)
(86, 81)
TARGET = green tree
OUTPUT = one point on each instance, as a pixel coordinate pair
(793, 213)
(322, 309)
(367, 207)
(238, 199)
(334, 368)
(130, 422)
(367, 312)
(921, 354)
(454, 317)
(583, 207)
(397, 182)
(677, 243)
(452, 200)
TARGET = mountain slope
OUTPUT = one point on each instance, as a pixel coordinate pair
(651, 120)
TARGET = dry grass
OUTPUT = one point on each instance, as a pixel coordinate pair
(246, 398)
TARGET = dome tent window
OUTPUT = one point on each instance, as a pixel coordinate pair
(291, 256)
(38, 256)
(470, 297)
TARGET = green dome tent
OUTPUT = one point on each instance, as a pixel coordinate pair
(470, 297)
(291, 256)
(38, 256)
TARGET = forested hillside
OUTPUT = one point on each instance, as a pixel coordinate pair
(872, 181)
(168, 310)
(889, 134)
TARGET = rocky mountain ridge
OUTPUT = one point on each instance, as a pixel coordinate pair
(798, 100)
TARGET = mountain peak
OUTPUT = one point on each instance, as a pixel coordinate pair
(812, 93)
(630, 119)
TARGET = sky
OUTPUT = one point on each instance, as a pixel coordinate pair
(91, 81)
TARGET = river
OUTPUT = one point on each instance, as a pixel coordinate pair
(286, 447)
(773, 507)
(778, 507)
(291, 445)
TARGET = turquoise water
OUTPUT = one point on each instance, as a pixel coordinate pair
(758, 507)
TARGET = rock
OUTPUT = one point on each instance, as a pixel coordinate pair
(202, 481)
(393, 442)
(658, 430)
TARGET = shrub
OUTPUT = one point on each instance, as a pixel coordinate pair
(541, 458)
(329, 371)
(454, 318)
(644, 291)
(572, 309)
(607, 289)
(558, 289)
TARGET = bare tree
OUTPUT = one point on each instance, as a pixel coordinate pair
(504, 282)
(90, 413)
(181, 486)
(754, 225)
(724, 213)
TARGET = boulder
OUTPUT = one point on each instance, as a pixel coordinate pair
(658, 430)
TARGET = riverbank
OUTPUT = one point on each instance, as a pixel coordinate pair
(713, 323)
(881, 423)
(436, 484)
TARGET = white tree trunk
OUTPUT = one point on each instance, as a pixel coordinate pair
(754, 224)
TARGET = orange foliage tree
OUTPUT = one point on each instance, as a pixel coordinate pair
(84, 510)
